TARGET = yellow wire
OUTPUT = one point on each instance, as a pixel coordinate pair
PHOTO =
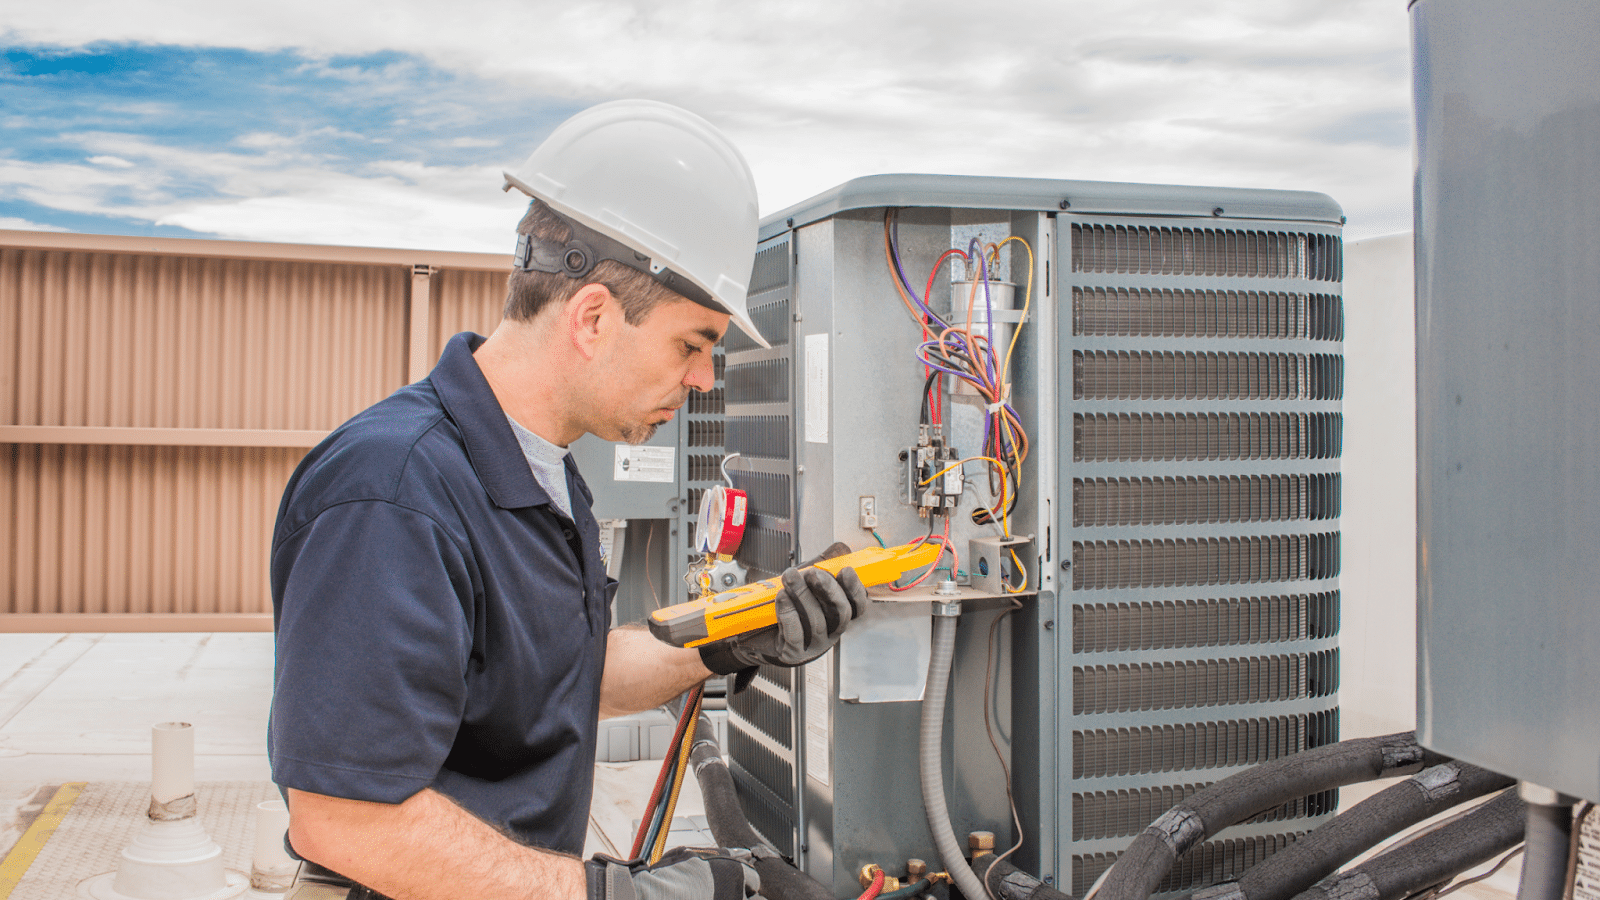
(1018, 563)
(677, 785)
(989, 459)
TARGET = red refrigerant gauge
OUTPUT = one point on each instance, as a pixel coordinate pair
(723, 514)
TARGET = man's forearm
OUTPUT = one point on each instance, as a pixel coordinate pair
(426, 848)
(643, 673)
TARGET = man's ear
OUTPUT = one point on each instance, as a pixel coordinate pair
(587, 317)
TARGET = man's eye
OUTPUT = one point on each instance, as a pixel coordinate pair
(690, 349)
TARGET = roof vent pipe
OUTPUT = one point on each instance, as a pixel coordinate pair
(170, 857)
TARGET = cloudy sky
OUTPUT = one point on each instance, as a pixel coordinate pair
(388, 124)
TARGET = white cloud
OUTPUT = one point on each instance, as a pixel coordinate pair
(10, 223)
(111, 162)
(1297, 94)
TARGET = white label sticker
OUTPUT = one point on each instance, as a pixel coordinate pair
(817, 388)
(819, 726)
(644, 463)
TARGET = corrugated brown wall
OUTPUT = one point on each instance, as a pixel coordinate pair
(155, 395)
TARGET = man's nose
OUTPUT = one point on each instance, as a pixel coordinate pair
(702, 376)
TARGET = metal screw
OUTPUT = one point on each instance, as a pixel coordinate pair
(1217, 211)
(1049, 879)
(1066, 564)
(1065, 205)
(1049, 624)
(789, 222)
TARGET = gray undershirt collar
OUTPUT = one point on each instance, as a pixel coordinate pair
(546, 461)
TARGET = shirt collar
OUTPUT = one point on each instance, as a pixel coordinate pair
(491, 446)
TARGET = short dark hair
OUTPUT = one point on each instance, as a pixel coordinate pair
(528, 293)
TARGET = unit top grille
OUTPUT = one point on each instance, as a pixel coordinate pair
(1205, 251)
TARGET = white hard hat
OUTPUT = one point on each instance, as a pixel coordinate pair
(664, 183)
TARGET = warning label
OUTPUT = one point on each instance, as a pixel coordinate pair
(644, 464)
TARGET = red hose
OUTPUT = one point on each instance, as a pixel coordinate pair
(874, 889)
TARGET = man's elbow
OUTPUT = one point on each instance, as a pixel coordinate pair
(331, 831)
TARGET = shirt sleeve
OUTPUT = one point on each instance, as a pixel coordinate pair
(373, 641)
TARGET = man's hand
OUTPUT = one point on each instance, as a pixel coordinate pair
(813, 610)
(683, 873)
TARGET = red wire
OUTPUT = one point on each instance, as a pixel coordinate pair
(667, 766)
(874, 889)
(946, 546)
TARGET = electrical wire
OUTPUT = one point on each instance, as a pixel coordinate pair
(656, 821)
(955, 558)
(1452, 888)
(988, 727)
(970, 356)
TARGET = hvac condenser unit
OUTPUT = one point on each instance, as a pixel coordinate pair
(1170, 613)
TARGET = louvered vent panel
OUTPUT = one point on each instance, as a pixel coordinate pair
(1205, 251)
(771, 717)
(1154, 312)
(771, 269)
(705, 433)
(1212, 862)
(765, 552)
(706, 403)
(1201, 745)
(769, 492)
(762, 436)
(704, 467)
(779, 675)
(768, 814)
(1180, 436)
(1193, 561)
(1199, 500)
(1201, 683)
(770, 313)
(1123, 375)
(1204, 623)
(1110, 814)
(762, 381)
(772, 771)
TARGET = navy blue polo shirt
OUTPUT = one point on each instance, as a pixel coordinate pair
(439, 623)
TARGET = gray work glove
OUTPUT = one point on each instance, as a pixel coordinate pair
(684, 873)
(814, 608)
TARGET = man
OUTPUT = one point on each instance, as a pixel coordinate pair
(444, 648)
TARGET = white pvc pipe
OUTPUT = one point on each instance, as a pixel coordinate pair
(171, 761)
(271, 867)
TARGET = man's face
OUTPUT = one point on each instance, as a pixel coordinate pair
(647, 370)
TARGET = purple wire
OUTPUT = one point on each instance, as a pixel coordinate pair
(900, 270)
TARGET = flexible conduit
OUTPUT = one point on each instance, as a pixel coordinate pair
(1150, 857)
(1433, 858)
(730, 828)
(930, 750)
(1319, 854)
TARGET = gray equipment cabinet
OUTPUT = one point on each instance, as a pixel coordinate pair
(1508, 386)
(1180, 376)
